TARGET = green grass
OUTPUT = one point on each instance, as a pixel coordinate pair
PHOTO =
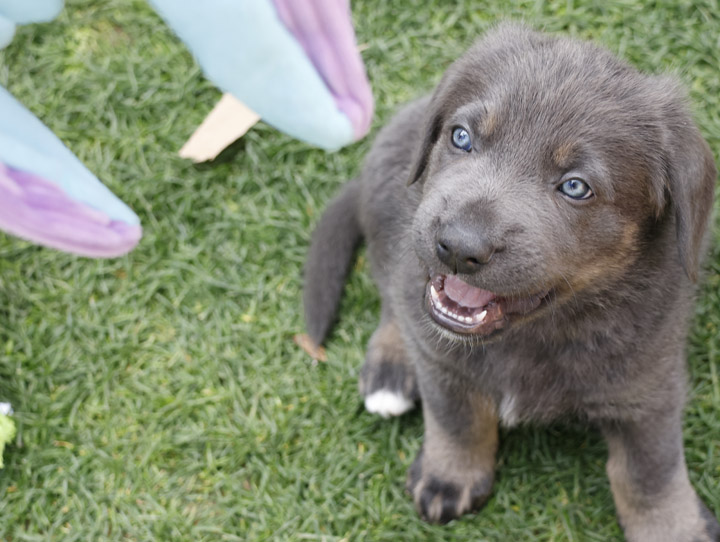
(159, 396)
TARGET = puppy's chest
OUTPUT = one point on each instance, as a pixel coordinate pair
(531, 388)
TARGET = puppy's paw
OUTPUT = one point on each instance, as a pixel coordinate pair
(387, 379)
(711, 526)
(677, 519)
(439, 499)
(388, 403)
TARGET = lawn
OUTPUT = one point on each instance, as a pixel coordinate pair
(160, 396)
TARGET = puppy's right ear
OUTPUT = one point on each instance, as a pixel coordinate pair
(691, 183)
(422, 154)
(690, 177)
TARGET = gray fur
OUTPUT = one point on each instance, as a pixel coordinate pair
(333, 246)
(618, 272)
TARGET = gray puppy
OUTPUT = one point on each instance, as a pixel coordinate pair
(535, 228)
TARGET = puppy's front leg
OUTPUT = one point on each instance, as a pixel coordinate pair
(387, 379)
(454, 471)
(649, 481)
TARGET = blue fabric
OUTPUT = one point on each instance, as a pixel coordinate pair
(14, 12)
(30, 11)
(28, 145)
(246, 51)
(7, 31)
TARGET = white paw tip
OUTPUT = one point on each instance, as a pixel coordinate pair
(387, 403)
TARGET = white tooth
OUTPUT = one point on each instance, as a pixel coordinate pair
(480, 317)
(434, 293)
(468, 320)
(443, 309)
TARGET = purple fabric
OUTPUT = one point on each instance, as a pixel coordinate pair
(324, 30)
(39, 211)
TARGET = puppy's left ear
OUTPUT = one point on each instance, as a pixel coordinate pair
(691, 176)
(422, 154)
(437, 108)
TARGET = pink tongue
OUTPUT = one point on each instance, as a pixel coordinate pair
(466, 295)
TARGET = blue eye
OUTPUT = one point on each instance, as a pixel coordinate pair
(461, 139)
(576, 189)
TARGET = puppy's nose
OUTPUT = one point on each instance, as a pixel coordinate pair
(463, 251)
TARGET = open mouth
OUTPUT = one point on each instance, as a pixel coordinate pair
(466, 309)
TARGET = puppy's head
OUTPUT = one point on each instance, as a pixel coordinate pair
(550, 168)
